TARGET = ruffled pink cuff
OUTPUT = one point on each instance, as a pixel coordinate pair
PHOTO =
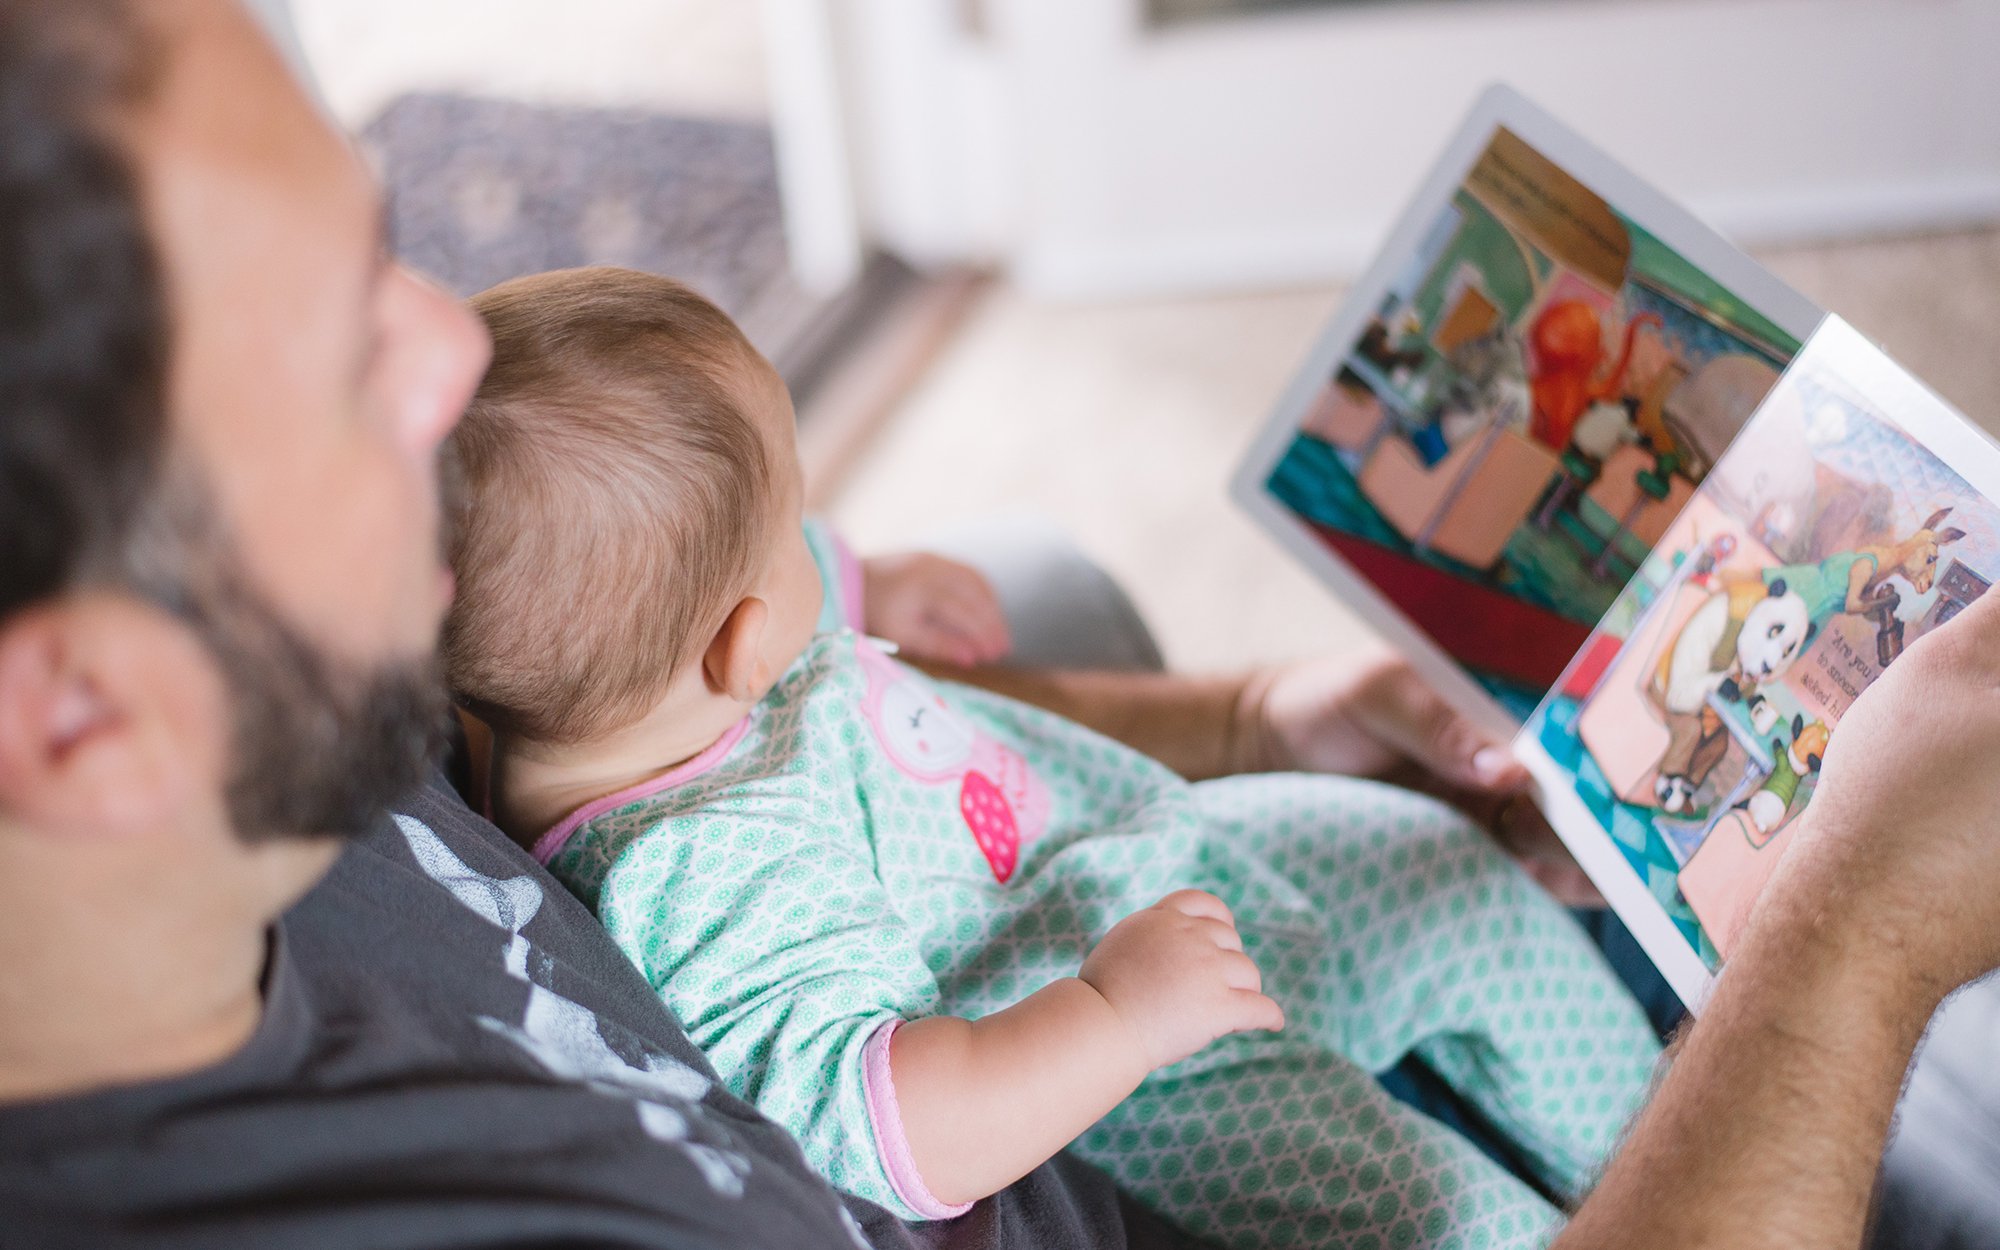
(886, 1118)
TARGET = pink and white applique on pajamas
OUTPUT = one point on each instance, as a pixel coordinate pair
(870, 846)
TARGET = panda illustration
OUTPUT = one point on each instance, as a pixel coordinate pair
(1745, 635)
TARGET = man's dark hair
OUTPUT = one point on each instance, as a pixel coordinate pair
(91, 491)
(83, 322)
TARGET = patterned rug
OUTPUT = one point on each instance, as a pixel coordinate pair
(484, 190)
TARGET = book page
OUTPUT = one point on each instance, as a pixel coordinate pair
(1515, 404)
(1854, 513)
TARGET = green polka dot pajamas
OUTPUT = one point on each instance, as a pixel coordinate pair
(870, 847)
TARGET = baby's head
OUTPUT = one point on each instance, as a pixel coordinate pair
(629, 536)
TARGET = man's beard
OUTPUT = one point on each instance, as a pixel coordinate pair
(319, 746)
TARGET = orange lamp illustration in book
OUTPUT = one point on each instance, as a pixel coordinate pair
(1533, 401)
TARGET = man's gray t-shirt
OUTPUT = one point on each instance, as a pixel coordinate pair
(454, 1054)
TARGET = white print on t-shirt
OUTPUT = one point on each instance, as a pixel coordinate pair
(564, 1036)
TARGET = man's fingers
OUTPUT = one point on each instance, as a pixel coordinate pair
(1459, 750)
(1494, 766)
(1525, 832)
(1198, 903)
(1565, 882)
(1414, 719)
(1521, 827)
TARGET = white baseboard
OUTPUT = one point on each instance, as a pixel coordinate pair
(1811, 215)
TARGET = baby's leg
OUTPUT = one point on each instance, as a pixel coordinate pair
(1305, 1149)
(1427, 938)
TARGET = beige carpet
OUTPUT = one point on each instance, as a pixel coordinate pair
(1123, 423)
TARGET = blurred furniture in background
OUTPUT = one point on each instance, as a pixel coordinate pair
(482, 190)
(513, 136)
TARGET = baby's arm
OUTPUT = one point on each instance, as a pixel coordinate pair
(770, 935)
(931, 607)
(986, 1101)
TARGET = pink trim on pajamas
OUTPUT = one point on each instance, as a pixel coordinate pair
(550, 844)
(886, 1117)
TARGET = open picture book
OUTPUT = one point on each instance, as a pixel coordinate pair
(1626, 498)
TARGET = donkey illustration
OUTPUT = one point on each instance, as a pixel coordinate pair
(1916, 558)
(1855, 582)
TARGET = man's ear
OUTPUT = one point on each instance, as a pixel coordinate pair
(112, 718)
(734, 664)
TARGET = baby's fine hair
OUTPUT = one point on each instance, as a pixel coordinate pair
(611, 502)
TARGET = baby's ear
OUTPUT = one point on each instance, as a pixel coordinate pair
(734, 664)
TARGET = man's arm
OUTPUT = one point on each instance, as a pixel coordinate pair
(1769, 1129)
(1770, 1124)
(1367, 715)
(1361, 715)
(1197, 726)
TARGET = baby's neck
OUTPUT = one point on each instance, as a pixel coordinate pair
(533, 785)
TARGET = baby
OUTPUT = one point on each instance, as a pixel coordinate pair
(940, 935)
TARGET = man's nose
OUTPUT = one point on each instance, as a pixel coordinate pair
(453, 355)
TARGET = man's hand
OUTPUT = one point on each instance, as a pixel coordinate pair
(933, 608)
(1176, 973)
(1902, 839)
(1380, 719)
(1768, 1128)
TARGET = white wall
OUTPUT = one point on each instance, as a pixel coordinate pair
(1090, 155)
(694, 56)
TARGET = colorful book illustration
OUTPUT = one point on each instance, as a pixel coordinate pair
(1621, 494)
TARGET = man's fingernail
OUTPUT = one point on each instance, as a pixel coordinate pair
(1489, 762)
